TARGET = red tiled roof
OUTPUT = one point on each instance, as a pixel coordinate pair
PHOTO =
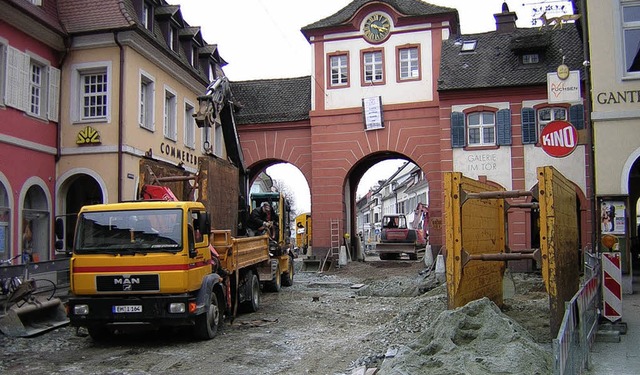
(47, 13)
(93, 15)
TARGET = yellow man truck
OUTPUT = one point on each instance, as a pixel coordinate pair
(149, 263)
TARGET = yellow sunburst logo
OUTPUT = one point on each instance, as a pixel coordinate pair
(87, 136)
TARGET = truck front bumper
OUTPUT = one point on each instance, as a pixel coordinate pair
(138, 310)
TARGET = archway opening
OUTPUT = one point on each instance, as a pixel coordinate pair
(279, 176)
(634, 213)
(381, 187)
(81, 190)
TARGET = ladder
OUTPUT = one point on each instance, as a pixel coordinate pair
(334, 251)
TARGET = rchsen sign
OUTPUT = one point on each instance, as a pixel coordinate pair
(559, 138)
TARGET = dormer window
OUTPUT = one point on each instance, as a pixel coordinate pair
(147, 16)
(172, 39)
(194, 57)
(530, 58)
(468, 46)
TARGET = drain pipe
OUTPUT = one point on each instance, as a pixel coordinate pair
(61, 62)
(120, 114)
(587, 102)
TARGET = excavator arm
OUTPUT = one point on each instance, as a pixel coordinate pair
(211, 103)
(421, 213)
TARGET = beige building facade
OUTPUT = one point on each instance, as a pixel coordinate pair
(615, 82)
(131, 94)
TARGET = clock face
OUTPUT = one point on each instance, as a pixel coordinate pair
(376, 27)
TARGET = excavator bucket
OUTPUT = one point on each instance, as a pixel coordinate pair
(37, 315)
(311, 264)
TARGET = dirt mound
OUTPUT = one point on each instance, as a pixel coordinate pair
(474, 339)
(399, 286)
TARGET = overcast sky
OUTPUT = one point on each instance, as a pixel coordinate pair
(261, 39)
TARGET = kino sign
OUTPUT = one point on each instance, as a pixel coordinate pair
(559, 138)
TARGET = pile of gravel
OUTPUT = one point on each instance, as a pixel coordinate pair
(399, 286)
(474, 339)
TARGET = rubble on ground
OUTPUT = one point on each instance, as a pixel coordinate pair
(478, 338)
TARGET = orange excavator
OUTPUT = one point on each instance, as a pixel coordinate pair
(398, 238)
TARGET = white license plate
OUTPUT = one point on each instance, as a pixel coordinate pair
(127, 309)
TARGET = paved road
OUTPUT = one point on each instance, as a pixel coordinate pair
(621, 358)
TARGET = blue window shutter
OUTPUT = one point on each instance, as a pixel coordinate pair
(457, 130)
(529, 126)
(576, 116)
(503, 127)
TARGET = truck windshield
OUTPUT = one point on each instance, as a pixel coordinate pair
(129, 231)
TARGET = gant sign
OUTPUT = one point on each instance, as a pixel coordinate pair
(559, 138)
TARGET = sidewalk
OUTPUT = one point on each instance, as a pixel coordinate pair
(621, 358)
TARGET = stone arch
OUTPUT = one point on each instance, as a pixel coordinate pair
(273, 143)
(340, 143)
(627, 169)
(76, 188)
(352, 180)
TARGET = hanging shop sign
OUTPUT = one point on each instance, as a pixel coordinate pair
(559, 138)
(565, 90)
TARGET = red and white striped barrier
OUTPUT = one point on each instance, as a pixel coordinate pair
(612, 286)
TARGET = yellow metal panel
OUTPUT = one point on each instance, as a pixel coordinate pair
(251, 250)
(237, 253)
(559, 241)
(484, 233)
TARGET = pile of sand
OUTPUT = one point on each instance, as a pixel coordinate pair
(474, 339)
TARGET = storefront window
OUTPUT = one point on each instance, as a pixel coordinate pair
(35, 242)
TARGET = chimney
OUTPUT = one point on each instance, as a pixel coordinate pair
(505, 21)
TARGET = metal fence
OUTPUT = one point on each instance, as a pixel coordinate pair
(577, 332)
(55, 271)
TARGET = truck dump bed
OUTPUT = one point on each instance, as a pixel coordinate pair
(239, 252)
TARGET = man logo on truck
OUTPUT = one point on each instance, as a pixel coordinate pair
(126, 282)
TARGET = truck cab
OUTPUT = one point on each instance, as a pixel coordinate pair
(144, 263)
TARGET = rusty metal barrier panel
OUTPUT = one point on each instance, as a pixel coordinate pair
(559, 241)
(474, 227)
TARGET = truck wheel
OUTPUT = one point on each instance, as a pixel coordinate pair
(287, 277)
(254, 303)
(99, 333)
(207, 324)
(276, 284)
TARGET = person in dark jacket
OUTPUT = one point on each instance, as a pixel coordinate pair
(261, 220)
